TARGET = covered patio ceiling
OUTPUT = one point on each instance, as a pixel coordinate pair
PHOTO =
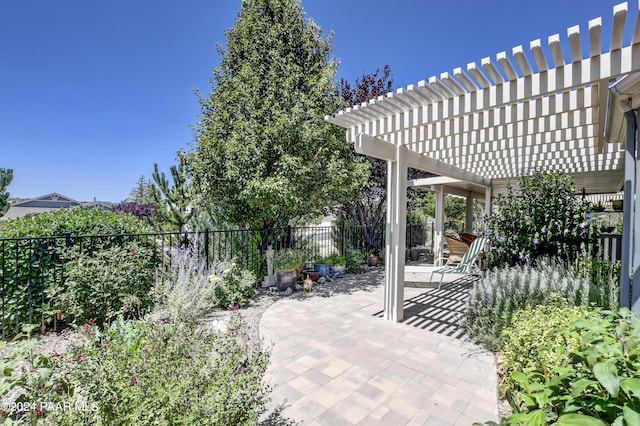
(522, 110)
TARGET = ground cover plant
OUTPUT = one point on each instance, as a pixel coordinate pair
(117, 372)
(581, 369)
(118, 376)
(504, 291)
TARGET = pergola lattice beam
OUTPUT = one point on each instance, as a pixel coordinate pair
(383, 150)
(481, 94)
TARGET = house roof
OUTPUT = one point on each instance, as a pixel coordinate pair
(52, 200)
(522, 109)
(49, 202)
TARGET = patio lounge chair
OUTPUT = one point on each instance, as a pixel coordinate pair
(457, 248)
(468, 265)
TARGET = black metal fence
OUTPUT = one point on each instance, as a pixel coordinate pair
(31, 265)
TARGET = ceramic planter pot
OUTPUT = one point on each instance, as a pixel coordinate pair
(373, 260)
(414, 254)
(323, 268)
(285, 279)
(312, 274)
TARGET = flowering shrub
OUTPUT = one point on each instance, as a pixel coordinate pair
(30, 264)
(504, 291)
(106, 283)
(119, 376)
(29, 383)
(215, 379)
(233, 286)
(147, 212)
(185, 293)
(544, 217)
(191, 287)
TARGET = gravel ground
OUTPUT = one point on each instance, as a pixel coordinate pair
(61, 341)
(252, 313)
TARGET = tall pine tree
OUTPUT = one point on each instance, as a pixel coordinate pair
(141, 193)
(264, 153)
(172, 201)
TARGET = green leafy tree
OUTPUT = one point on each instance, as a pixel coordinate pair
(264, 153)
(172, 201)
(454, 207)
(6, 176)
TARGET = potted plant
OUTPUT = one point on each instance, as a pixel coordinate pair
(598, 207)
(617, 205)
(338, 264)
(373, 259)
(286, 262)
(355, 259)
(322, 265)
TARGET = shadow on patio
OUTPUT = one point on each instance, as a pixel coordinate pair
(440, 311)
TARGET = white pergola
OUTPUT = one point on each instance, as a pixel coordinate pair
(570, 111)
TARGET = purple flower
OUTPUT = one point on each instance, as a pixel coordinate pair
(544, 229)
(499, 238)
(500, 249)
(536, 241)
(582, 225)
(566, 231)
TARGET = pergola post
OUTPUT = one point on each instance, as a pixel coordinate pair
(439, 232)
(634, 220)
(627, 231)
(468, 218)
(396, 235)
(487, 200)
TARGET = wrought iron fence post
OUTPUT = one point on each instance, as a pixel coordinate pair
(206, 246)
(67, 239)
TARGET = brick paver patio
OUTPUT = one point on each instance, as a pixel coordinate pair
(335, 361)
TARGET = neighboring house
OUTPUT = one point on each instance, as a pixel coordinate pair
(48, 203)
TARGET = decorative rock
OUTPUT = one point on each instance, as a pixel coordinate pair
(298, 287)
(287, 292)
(330, 279)
(322, 280)
(268, 282)
(338, 270)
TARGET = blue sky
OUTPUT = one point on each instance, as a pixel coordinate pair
(94, 92)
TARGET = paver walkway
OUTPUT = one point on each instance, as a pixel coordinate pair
(335, 361)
